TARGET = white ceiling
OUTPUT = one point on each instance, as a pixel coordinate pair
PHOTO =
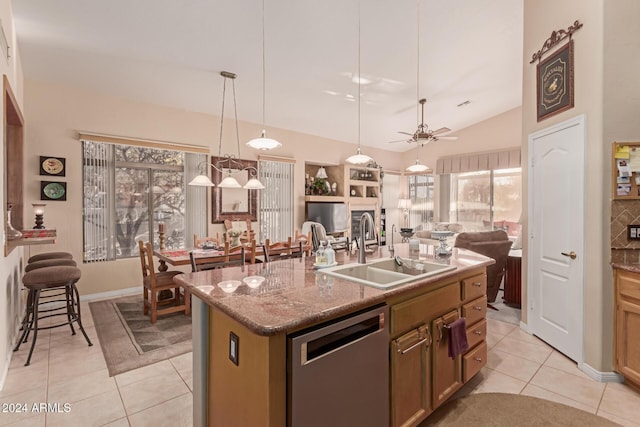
(170, 53)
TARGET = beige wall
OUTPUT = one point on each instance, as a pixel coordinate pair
(588, 66)
(10, 266)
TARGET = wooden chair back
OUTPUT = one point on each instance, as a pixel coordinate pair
(247, 236)
(198, 241)
(154, 282)
(282, 250)
(231, 258)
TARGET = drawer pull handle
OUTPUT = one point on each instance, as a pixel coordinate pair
(477, 307)
(478, 284)
(478, 332)
(478, 359)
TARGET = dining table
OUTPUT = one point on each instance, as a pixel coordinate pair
(178, 257)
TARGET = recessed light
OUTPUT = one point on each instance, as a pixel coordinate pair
(361, 80)
(330, 92)
(462, 104)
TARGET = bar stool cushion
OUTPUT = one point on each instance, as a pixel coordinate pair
(50, 255)
(49, 263)
(50, 277)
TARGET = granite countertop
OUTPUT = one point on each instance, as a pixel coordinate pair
(294, 295)
(633, 268)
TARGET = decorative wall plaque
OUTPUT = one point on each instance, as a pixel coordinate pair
(554, 78)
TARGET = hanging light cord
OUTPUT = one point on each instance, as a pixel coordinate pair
(418, 59)
(359, 77)
(224, 91)
(264, 70)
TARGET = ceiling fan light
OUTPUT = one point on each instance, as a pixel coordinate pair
(264, 143)
(254, 184)
(201, 181)
(417, 167)
(229, 182)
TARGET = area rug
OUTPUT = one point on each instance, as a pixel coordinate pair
(500, 409)
(130, 341)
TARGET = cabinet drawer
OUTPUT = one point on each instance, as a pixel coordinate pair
(628, 285)
(475, 310)
(474, 287)
(473, 361)
(410, 314)
(477, 333)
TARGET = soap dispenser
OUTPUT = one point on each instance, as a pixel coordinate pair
(321, 258)
(330, 254)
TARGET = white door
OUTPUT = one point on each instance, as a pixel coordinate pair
(556, 230)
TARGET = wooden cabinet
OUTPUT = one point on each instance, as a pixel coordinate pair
(423, 376)
(410, 368)
(627, 325)
(447, 372)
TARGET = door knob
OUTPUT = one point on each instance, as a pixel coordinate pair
(571, 254)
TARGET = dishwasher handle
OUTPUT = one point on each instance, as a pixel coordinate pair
(336, 336)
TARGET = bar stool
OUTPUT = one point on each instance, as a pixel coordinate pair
(49, 255)
(62, 277)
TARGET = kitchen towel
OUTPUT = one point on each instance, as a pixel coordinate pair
(457, 337)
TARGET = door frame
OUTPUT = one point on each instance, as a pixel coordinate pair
(532, 326)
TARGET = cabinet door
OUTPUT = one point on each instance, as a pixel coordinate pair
(627, 343)
(410, 377)
(447, 372)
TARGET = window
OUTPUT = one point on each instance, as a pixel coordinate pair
(128, 192)
(486, 200)
(421, 195)
(276, 200)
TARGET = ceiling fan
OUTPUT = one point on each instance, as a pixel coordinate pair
(423, 134)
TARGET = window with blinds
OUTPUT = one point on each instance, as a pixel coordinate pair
(422, 195)
(276, 200)
(129, 190)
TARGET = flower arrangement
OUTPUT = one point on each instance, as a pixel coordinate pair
(234, 232)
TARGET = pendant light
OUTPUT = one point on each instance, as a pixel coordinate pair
(228, 164)
(417, 167)
(263, 143)
(359, 158)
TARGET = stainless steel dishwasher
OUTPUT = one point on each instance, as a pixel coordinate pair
(338, 373)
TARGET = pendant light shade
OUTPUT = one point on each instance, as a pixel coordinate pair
(253, 184)
(229, 182)
(263, 143)
(359, 158)
(417, 167)
(202, 181)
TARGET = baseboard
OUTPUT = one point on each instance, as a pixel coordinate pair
(111, 294)
(602, 377)
(525, 327)
(5, 372)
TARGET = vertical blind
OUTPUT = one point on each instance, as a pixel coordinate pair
(276, 200)
(99, 210)
(98, 174)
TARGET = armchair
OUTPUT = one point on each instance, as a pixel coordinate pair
(493, 244)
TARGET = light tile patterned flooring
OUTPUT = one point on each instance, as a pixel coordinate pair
(65, 370)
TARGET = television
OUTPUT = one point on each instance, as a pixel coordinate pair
(333, 216)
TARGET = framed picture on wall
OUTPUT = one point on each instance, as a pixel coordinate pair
(52, 166)
(554, 82)
(50, 190)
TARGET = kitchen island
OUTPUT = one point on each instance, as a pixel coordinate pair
(240, 333)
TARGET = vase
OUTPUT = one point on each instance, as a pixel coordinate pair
(12, 233)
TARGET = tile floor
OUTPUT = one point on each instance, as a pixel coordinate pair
(65, 370)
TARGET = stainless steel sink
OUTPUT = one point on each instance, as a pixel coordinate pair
(388, 273)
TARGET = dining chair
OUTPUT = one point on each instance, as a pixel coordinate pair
(154, 282)
(282, 250)
(229, 259)
(207, 241)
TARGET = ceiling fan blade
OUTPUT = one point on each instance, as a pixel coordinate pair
(450, 138)
(396, 141)
(441, 130)
(405, 133)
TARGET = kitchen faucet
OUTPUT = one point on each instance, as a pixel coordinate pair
(364, 219)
